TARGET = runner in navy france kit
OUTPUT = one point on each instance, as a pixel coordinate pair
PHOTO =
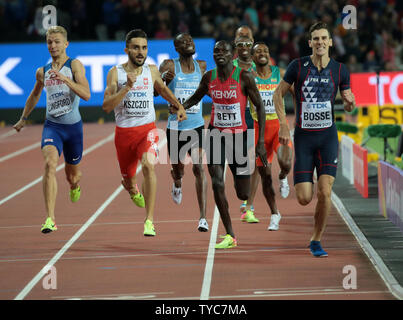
(316, 80)
(315, 96)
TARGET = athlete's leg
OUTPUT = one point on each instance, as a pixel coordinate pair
(150, 183)
(322, 209)
(267, 186)
(73, 175)
(49, 182)
(177, 172)
(284, 156)
(201, 181)
(254, 183)
(304, 192)
(73, 151)
(130, 185)
(216, 172)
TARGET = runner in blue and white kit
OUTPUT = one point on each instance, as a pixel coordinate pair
(183, 75)
(316, 79)
(65, 83)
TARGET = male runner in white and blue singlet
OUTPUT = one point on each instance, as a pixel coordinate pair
(65, 83)
(183, 75)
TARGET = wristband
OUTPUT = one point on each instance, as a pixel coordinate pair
(24, 118)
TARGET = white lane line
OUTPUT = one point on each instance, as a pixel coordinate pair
(254, 297)
(121, 296)
(208, 270)
(60, 253)
(21, 151)
(8, 134)
(36, 181)
(393, 285)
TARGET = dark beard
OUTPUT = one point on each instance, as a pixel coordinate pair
(135, 62)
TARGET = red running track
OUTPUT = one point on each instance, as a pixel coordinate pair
(100, 252)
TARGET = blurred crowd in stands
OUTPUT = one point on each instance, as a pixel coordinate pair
(376, 44)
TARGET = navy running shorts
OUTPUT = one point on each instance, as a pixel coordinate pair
(315, 150)
(67, 138)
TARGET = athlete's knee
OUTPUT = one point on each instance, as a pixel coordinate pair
(304, 196)
(50, 165)
(147, 167)
(217, 184)
(304, 199)
(197, 170)
(324, 193)
(265, 175)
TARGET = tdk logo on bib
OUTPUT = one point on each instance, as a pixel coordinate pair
(317, 106)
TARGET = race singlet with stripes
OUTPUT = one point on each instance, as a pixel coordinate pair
(266, 89)
(137, 107)
(61, 102)
(183, 86)
(229, 102)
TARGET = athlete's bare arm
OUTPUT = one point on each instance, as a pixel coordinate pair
(284, 132)
(291, 90)
(250, 90)
(112, 97)
(166, 93)
(80, 85)
(167, 70)
(200, 92)
(32, 100)
(348, 100)
(202, 65)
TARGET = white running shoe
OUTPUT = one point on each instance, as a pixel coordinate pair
(176, 194)
(203, 225)
(274, 222)
(284, 188)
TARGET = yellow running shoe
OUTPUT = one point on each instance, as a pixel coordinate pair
(149, 230)
(75, 194)
(249, 216)
(228, 242)
(138, 199)
(49, 226)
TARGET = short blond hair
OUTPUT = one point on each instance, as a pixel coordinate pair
(57, 29)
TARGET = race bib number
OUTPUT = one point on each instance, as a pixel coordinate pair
(59, 106)
(136, 104)
(267, 98)
(316, 115)
(227, 115)
(182, 95)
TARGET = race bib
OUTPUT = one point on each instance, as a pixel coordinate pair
(227, 115)
(316, 115)
(60, 105)
(267, 98)
(183, 94)
(136, 104)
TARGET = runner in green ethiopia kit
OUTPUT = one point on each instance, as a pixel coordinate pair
(267, 79)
